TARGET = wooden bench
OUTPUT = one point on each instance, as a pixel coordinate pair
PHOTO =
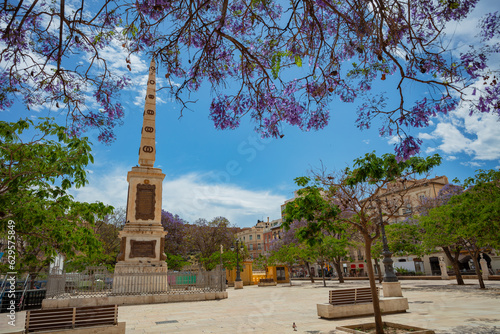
(345, 303)
(266, 280)
(351, 296)
(74, 318)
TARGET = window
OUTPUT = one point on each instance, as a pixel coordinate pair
(258, 236)
(250, 247)
(259, 246)
(250, 237)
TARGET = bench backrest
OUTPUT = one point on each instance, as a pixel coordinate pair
(351, 296)
(71, 317)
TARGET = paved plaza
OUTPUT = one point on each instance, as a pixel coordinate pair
(439, 305)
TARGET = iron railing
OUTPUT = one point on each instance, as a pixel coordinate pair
(97, 281)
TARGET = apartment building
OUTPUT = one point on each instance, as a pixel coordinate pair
(258, 238)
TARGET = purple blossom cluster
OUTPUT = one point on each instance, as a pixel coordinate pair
(110, 114)
(489, 102)
(490, 26)
(408, 147)
(474, 63)
(225, 112)
(154, 9)
(5, 90)
(421, 112)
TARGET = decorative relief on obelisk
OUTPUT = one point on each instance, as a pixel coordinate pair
(147, 149)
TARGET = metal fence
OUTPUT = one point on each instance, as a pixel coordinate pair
(97, 281)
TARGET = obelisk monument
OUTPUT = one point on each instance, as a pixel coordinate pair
(141, 263)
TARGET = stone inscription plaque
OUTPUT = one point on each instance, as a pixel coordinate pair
(142, 248)
(145, 201)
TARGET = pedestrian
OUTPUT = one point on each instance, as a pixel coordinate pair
(294, 327)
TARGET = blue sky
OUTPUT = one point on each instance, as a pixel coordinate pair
(235, 173)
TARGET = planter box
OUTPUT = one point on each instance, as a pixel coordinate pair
(387, 305)
(410, 329)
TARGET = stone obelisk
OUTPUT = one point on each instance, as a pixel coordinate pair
(141, 263)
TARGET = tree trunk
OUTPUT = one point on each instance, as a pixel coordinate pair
(338, 268)
(289, 273)
(376, 305)
(309, 271)
(454, 261)
(323, 273)
(478, 270)
(379, 271)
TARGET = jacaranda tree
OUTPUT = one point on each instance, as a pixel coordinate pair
(283, 61)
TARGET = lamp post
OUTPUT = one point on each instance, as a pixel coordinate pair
(389, 275)
(238, 284)
(222, 283)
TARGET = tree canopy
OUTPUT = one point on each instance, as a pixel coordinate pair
(34, 178)
(280, 62)
(373, 186)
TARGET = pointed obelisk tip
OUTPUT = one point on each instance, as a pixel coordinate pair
(148, 147)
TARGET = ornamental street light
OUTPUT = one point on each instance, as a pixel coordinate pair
(222, 276)
(237, 242)
(389, 275)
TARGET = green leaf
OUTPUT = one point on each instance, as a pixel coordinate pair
(298, 61)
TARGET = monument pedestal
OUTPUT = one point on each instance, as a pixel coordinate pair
(392, 289)
(238, 284)
(140, 278)
(141, 266)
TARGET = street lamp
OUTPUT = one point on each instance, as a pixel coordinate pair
(237, 242)
(389, 275)
(222, 275)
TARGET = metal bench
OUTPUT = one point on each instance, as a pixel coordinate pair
(351, 296)
(71, 318)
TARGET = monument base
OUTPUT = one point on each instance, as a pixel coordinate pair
(238, 284)
(136, 278)
(392, 289)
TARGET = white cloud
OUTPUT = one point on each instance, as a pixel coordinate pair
(110, 188)
(477, 135)
(429, 150)
(191, 196)
(453, 140)
(366, 141)
(451, 158)
(394, 140)
(116, 55)
(197, 195)
(424, 136)
(472, 164)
